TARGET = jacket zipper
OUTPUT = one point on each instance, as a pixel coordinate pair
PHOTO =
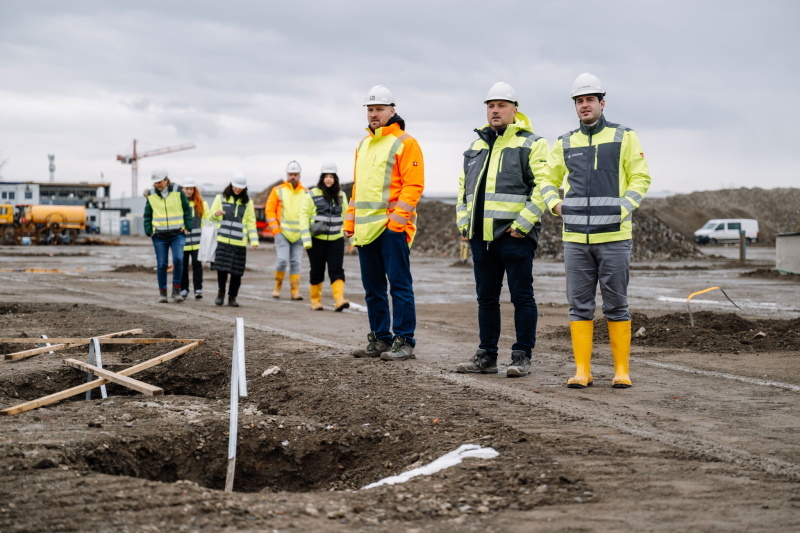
(589, 184)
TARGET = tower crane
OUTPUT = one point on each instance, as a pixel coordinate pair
(133, 160)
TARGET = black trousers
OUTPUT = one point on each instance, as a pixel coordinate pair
(330, 252)
(236, 282)
(197, 271)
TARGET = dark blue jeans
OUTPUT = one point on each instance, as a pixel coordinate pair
(162, 247)
(387, 258)
(513, 257)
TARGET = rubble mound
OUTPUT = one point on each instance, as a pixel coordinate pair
(777, 210)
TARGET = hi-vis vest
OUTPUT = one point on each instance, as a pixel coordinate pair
(605, 178)
(321, 218)
(283, 210)
(389, 179)
(193, 237)
(238, 225)
(512, 173)
(167, 212)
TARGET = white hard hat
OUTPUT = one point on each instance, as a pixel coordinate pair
(379, 95)
(293, 167)
(501, 91)
(328, 168)
(587, 84)
(239, 181)
(159, 174)
(189, 182)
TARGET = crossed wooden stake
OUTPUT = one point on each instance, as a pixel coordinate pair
(105, 376)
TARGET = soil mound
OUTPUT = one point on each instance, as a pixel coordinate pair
(712, 332)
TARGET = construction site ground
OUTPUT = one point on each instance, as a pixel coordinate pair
(707, 439)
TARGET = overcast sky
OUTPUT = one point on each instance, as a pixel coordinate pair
(257, 84)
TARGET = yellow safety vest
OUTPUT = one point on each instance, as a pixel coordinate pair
(167, 212)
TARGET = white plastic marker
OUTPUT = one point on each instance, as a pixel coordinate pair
(48, 344)
(238, 388)
(96, 359)
(446, 461)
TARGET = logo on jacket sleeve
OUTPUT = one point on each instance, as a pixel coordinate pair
(415, 163)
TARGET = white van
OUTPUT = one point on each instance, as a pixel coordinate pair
(722, 230)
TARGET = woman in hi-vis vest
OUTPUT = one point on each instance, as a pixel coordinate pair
(235, 216)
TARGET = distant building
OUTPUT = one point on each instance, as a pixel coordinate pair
(33, 193)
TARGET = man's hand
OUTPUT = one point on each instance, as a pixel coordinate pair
(516, 235)
(348, 234)
(557, 208)
(219, 213)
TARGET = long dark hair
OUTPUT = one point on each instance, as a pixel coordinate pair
(330, 192)
(228, 192)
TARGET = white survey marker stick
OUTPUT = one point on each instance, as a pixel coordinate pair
(238, 388)
(96, 359)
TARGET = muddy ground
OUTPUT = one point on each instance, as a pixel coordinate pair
(706, 440)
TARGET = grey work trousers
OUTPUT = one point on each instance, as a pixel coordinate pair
(587, 264)
(289, 254)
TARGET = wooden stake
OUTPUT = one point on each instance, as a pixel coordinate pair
(53, 398)
(114, 377)
(103, 340)
(78, 342)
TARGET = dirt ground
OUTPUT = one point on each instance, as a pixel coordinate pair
(708, 439)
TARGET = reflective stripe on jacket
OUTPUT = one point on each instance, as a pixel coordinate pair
(193, 237)
(167, 214)
(283, 210)
(605, 178)
(388, 183)
(321, 218)
(513, 172)
(238, 225)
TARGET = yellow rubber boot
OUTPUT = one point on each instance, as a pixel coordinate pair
(337, 288)
(294, 284)
(582, 334)
(315, 295)
(276, 292)
(619, 333)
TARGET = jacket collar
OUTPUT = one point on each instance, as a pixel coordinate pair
(596, 128)
(389, 129)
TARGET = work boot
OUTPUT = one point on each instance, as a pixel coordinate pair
(520, 364)
(276, 292)
(337, 288)
(400, 351)
(315, 295)
(162, 296)
(481, 363)
(198, 295)
(582, 332)
(374, 348)
(294, 285)
(177, 297)
(220, 298)
(232, 301)
(619, 333)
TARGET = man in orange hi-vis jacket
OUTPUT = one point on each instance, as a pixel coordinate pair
(388, 183)
(283, 216)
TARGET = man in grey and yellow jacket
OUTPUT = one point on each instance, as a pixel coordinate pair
(604, 175)
(498, 210)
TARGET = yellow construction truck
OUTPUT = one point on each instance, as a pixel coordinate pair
(41, 224)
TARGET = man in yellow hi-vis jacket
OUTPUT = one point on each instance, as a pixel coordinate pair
(604, 175)
(498, 210)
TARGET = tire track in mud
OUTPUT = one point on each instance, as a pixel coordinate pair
(601, 415)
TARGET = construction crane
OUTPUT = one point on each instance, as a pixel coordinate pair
(133, 160)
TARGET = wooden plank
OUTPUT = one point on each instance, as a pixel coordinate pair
(119, 379)
(81, 342)
(53, 398)
(103, 340)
